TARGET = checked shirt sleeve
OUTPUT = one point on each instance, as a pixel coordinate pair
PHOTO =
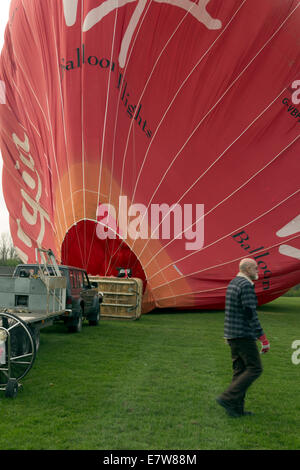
(249, 304)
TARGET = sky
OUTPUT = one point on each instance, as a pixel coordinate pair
(4, 223)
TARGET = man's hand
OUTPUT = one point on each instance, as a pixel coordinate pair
(265, 345)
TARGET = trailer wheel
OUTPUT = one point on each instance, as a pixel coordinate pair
(11, 390)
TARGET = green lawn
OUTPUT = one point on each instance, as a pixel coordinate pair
(151, 384)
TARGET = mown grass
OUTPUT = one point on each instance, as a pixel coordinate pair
(151, 384)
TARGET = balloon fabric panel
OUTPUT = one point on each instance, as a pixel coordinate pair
(160, 136)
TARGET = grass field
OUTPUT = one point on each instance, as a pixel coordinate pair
(151, 384)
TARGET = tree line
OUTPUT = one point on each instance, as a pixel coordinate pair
(8, 254)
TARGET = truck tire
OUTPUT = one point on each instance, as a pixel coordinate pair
(76, 325)
(95, 320)
(36, 336)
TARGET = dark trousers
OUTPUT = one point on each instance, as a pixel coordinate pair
(247, 367)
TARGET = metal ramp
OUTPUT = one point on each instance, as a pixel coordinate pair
(53, 280)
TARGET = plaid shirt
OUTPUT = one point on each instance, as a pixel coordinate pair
(241, 320)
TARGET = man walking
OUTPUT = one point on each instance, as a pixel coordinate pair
(241, 329)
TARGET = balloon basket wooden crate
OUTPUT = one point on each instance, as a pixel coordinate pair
(122, 298)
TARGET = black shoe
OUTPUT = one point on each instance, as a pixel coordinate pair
(230, 409)
(247, 413)
(241, 409)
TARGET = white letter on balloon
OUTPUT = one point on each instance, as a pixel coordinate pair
(198, 10)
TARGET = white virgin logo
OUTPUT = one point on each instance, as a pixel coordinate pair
(289, 229)
(2, 92)
(198, 10)
(32, 211)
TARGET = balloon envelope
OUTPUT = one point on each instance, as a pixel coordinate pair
(161, 136)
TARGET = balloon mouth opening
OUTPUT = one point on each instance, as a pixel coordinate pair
(82, 248)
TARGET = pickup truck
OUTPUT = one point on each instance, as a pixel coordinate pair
(41, 294)
(33, 298)
(82, 300)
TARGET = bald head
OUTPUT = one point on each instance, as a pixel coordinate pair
(249, 267)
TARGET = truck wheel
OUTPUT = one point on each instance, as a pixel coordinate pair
(11, 390)
(36, 336)
(76, 327)
(95, 320)
(37, 339)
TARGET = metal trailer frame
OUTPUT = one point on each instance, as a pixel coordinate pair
(20, 327)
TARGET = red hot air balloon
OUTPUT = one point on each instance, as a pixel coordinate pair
(156, 135)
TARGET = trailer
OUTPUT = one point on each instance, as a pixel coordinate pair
(27, 304)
